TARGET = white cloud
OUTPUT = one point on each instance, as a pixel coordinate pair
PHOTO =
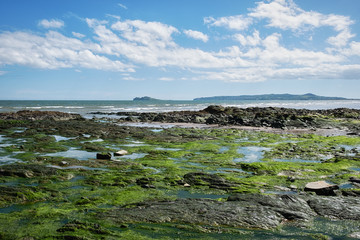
(341, 39)
(53, 51)
(122, 6)
(78, 35)
(166, 79)
(53, 23)
(253, 40)
(286, 15)
(238, 22)
(125, 45)
(196, 35)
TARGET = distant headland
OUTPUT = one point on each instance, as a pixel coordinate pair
(308, 96)
(146, 98)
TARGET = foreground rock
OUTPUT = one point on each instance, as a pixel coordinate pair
(243, 210)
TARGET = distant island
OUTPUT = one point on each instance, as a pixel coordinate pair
(146, 98)
(308, 96)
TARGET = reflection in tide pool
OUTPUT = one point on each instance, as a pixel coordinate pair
(74, 153)
(132, 156)
(296, 160)
(8, 160)
(251, 154)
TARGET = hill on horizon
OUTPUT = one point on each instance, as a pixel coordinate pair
(286, 96)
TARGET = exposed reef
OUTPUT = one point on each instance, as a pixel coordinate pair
(65, 177)
(283, 118)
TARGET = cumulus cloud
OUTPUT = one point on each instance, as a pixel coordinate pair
(196, 35)
(126, 45)
(238, 22)
(53, 51)
(53, 23)
(78, 35)
(253, 40)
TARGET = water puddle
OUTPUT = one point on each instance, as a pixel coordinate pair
(61, 138)
(8, 160)
(95, 140)
(74, 153)
(347, 186)
(168, 149)
(20, 130)
(223, 149)
(298, 160)
(251, 154)
(132, 156)
(157, 130)
(156, 171)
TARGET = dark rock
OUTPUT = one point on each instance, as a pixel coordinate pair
(336, 207)
(40, 115)
(240, 210)
(27, 170)
(352, 193)
(354, 180)
(103, 155)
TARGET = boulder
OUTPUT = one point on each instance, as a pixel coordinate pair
(103, 155)
(321, 188)
(120, 153)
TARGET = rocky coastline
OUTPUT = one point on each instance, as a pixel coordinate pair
(94, 178)
(272, 117)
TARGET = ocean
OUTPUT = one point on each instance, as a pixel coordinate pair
(86, 107)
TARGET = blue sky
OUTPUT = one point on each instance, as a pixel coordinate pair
(118, 50)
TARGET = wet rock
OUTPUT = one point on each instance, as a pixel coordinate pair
(336, 207)
(198, 211)
(352, 193)
(27, 170)
(291, 207)
(40, 115)
(321, 188)
(121, 153)
(103, 155)
(354, 180)
(240, 210)
(205, 179)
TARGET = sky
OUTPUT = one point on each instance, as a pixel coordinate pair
(179, 49)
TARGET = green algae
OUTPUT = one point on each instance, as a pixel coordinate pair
(158, 175)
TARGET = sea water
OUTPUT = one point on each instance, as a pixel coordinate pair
(86, 107)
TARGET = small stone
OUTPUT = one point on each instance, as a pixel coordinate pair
(354, 235)
(104, 155)
(121, 153)
(187, 185)
(63, 163)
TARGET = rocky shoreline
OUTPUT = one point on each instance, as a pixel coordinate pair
(89, 179)
(272, 117)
